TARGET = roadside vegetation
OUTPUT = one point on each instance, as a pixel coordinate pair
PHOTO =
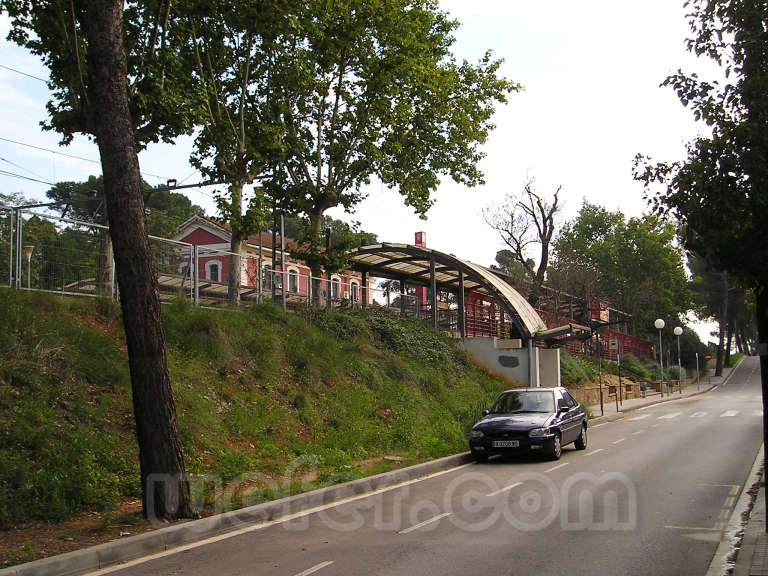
(293, 401)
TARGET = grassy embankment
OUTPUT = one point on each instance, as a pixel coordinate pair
(290, 399)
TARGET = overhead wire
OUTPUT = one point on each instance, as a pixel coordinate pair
(23, 73)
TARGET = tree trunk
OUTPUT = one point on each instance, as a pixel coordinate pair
(761, 299)
(722, 325)
(104, 266)
(165, 491)
(728, 342)
(316, 229)
(236, 245)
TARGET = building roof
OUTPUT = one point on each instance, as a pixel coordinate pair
(412, 264)
(224, 230)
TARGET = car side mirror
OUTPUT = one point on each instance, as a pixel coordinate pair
(562, 406)
(564, 409)
(486, 412)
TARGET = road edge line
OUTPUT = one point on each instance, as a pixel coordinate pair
(113, 553)
(721, 562)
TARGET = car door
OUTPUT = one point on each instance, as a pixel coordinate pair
(577, 412)
(566, 418)
(570, 420)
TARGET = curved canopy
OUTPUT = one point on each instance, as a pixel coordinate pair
(411, 264)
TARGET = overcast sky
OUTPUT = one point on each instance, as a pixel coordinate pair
(591, 72)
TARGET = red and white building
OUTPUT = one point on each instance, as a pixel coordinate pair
(213, 239)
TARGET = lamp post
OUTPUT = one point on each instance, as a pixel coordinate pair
(698, 383)
(659, 324)
(678, 332)
(28, 249)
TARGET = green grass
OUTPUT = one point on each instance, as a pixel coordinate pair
(261, 392)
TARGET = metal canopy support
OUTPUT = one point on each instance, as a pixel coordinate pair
(402, 297)
(196, 277)
(448, 262)
(283, 275)
(433, 290)
(462, 316)
(10, 249)
(364, 289)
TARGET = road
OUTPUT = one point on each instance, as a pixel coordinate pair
(651, 495)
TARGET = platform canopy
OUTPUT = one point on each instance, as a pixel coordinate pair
(419, 265)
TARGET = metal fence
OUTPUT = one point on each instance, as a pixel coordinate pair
(66, 256)
(6, 241)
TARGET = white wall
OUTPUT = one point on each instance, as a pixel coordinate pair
(549, 367)
(511, 364)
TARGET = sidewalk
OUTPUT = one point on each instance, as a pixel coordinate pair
(609, 413)
(752, 559)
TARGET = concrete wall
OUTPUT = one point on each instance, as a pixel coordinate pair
(549, 367)
(506, 359)
(511, 364)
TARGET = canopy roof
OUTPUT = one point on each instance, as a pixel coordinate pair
(411, 264)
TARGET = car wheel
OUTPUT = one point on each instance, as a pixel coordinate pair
(480, 458)
(581, 441)
(557, 448)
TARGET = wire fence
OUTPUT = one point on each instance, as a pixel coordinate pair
(6, 241)
(48, 253)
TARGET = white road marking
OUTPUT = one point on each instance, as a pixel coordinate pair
(268, 523)
(594, 451)
(729, 414)
(619, 441)
(425, 523)
(638, 432)
(556, 467)
(642, 417)
(669, 416)
(515, 485)
(315, 568)
(698, 415)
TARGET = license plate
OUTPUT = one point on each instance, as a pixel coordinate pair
(506, 443)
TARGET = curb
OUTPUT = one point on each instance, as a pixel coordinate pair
(117, 551)
(620, 414)
(729, 541)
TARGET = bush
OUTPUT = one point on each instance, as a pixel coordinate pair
(576, 369)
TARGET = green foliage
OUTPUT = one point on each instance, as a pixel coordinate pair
(259, 391)
(576, 369)
(641, 368)
(365, 89)
(720, 190)
(633, 263)
(163, 101)
(64, 439)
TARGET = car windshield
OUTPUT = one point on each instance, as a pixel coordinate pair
(528, 401)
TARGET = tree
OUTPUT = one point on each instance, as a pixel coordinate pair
(369, 89)
(523, 222)
(720, 190)
(234, 51)
(508, 264)
(91, 50)
(85, 201)
(632, 263)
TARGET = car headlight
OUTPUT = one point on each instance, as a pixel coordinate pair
(476, 434)
(538, 432)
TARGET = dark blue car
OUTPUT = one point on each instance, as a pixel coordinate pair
(530, 420)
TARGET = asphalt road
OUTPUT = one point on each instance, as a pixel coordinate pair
(651, 495)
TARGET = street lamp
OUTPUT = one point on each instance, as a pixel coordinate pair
(659, 324)
(678, 332)
(28, 249)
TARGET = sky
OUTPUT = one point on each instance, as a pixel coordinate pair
(591, 101)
